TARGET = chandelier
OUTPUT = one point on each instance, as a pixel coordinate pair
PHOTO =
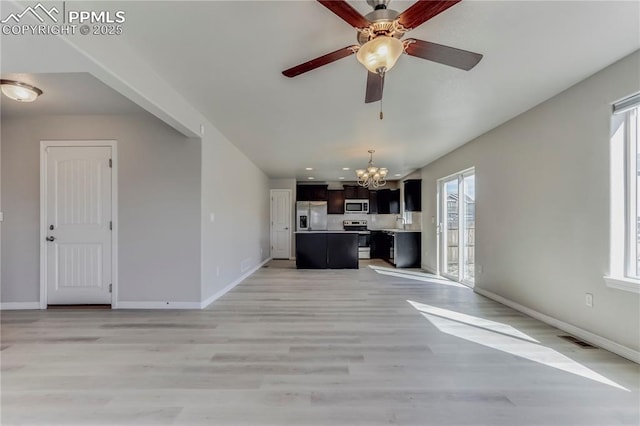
(372, 177)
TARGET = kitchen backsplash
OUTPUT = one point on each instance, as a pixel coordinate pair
(377, 221)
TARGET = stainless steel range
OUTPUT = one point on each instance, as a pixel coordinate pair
(364, 236)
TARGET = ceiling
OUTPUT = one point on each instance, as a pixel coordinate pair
(67, 94)
(226, 58)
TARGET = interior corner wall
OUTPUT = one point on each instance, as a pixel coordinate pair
(158, 204)
(542, 209)
(235, 215)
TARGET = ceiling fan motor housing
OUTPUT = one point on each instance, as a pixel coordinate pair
(381, 24)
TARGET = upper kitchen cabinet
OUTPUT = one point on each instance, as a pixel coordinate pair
(373, 202)
(312, 193)
(388, 201)
(355, 192)
(413, 195)
(336, 202)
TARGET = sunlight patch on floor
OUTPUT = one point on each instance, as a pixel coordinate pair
(490, 325)
(449, 322)
(416, 276)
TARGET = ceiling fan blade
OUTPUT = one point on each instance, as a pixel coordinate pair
(446, 55)
(320, 61)
(346, 12)
(423, 10)
(375, 84)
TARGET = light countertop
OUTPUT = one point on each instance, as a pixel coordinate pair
(396, 230)
(327, 231)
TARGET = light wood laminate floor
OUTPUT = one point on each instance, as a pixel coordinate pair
(290, 347)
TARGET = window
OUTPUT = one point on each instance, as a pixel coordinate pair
(625, 196)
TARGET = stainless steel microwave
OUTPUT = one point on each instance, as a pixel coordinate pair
(356, 206)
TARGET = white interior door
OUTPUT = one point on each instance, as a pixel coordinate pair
(280, 223)
(78, 224)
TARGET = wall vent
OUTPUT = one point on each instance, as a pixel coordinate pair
(578, 342)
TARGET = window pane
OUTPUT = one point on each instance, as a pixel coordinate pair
(469, 226)
(452, 251)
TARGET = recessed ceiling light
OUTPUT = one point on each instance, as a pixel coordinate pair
(346, 168)
(397, 175)
(341, 178)
(311, 178)
(308, 168)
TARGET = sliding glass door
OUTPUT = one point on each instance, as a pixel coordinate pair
(457, 226)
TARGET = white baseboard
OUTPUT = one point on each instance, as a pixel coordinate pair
(11, 306)
(223, 291)
(588, 336)
(157, 305)
(429, 270)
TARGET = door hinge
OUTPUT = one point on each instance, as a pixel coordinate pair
(110, 226)
(110, 288)
(110, 162)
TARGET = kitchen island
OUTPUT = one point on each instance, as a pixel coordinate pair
(327, 249)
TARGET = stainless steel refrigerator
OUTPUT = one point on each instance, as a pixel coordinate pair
(311, 216)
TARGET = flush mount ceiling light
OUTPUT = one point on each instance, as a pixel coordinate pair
(19, 91)
(372, 177)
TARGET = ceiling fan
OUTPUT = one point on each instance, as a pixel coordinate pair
(380, 45)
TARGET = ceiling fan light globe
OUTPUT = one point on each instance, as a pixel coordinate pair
(380, 53)
(383, 172)
(372, 170)
(359, 172)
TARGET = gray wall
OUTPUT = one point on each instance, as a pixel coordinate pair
(158, 204)
(237, 193)
(542, 184)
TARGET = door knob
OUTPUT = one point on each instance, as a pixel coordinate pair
(286, 228)
(50, 238)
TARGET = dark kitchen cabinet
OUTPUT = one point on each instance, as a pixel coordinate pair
(407, 249)
(342, 251)
(336, 202)
(388, 201)
(402, 249)
(413, 195)
(379, 245)
(373, 202)
(356, 192)
(312, 193)
(311, 251)
(322, 250)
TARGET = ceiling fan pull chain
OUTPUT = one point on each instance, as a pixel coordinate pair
(381, 114)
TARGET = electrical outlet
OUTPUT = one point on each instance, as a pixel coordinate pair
(589, 299)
